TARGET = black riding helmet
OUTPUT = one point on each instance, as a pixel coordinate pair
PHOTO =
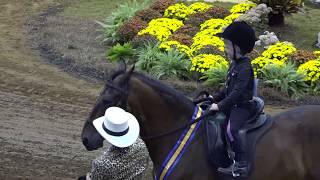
(241, 34)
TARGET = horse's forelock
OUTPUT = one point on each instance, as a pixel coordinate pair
(121, 70)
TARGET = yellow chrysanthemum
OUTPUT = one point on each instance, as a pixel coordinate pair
(181, 11)
(214, 24)
(276, 54)
(178, 11)
(279, 51)
(201, 39)
(312, 71)
(200, 7)
(204, 62)
(242, 7)
(229, 19)
(161, 28)
(167, 45)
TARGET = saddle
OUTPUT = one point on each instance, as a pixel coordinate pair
(250, 134)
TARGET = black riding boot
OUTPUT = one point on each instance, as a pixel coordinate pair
(240, 166)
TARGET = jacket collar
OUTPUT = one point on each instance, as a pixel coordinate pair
(241, 60)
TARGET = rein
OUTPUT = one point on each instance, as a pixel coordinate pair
(177, 129)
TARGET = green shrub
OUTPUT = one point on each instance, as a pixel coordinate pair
(188, 29)
(216, 77)
(197, 19)
(285, 78)
(209, 49)
(148, 14)
(147, 56)
(181, 38)
(171, 64)
(302, 56)
(218, 12)
(118, 52)
(130, 28)
(140, 41)
(118, 17)
(161, 5)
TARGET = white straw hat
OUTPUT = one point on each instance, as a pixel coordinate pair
(118, 127)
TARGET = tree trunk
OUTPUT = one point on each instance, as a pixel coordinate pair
(276, 19)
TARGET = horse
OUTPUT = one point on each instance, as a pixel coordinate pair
(288, 151)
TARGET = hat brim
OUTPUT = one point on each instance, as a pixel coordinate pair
(120, 141)
(219, 35)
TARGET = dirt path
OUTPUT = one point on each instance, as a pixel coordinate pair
(42, 109)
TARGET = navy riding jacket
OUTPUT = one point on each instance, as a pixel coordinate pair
(238, 89)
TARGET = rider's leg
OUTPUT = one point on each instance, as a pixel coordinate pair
(237, 119)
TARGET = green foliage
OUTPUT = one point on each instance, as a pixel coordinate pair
(282, 6)
(147, 56)
(285, 78)
(94, 9)
(118, 52)
(216, 76)
(171, 64)
(162, 64)
(118, 17)
(315, 89)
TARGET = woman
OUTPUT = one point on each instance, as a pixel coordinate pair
(127, 158)
(235, 100)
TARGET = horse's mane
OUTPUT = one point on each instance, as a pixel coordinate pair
(170, 94)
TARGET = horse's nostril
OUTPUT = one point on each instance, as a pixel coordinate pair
(85, 141)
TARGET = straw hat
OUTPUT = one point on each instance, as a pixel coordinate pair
(118, 127)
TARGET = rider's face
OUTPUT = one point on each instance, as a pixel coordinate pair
(228, 48)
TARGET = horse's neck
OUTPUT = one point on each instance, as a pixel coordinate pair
(157, 116)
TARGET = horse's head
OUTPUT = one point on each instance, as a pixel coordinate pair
(115, 93)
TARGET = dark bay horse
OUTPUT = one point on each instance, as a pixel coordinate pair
(289, 151)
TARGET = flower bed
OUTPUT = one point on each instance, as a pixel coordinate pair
(191, 31)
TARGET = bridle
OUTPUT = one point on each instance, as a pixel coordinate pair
(123, 97)
(124, 102)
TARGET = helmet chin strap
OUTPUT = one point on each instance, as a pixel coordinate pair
(234, 52)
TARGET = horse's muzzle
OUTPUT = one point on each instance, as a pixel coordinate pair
(91, 146)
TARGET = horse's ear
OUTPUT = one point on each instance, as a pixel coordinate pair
(131, 69)
(129, 73)
(123, 65)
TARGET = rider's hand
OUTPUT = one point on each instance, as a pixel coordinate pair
(214, 107)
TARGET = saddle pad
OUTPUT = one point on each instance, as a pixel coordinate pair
(253, 136)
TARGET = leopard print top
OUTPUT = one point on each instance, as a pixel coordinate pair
(121, 163)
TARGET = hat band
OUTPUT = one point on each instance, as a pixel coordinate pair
(112, 133)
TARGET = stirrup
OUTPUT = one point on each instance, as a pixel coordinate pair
(233, 172)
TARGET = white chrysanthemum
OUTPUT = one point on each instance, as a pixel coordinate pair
(267, 39)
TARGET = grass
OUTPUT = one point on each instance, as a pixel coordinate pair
(227, 5)
(103, 8)
(301, 28)
(93, 8)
